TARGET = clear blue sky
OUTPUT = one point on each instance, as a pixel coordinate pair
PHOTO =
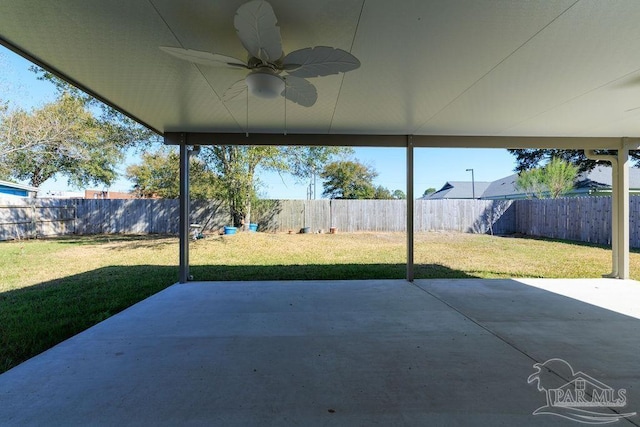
(433, 166)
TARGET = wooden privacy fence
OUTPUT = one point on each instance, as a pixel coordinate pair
(475, 216)
(467, 216)
(346, 215)
(586, 219)
(20, 218)
(142, 216)
(26, 218)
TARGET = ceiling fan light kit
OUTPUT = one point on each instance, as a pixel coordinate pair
(270, 72)
(265, 84)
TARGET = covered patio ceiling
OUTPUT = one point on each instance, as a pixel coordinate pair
(438, 67)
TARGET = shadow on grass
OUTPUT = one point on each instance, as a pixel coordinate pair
(563, 241)
(322, 272)
(127, 241)
(35, 318)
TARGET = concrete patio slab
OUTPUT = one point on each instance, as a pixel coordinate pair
(374, 352)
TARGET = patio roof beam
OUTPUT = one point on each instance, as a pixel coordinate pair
(400, 141)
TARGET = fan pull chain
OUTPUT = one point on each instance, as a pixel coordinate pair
(285, 107)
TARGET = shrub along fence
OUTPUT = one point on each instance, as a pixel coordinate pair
(586, 219)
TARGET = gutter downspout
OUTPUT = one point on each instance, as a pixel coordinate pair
(615, 200)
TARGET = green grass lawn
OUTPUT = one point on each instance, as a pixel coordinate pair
(52, 289)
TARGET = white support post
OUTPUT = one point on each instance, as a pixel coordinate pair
(615, 203)
(615, 219)
(410, 211)
(623, 211)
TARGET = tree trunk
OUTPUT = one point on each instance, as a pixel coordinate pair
(242, 217)
(247, 217)
(237, 218)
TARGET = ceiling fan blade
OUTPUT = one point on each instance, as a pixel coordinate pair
(300, 91)
(204, 58)
(319, 61)
(257, 28)
(235, 90)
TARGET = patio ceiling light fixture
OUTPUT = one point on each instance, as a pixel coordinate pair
(265, 84)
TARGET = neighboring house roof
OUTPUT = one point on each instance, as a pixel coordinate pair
(12, 189)
(598, 179)
(600, 176)
(507, 188)
(459, 190)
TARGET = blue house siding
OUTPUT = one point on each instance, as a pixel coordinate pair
(13, 191)
(16, 190)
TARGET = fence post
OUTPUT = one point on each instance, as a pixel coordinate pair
(34, 219)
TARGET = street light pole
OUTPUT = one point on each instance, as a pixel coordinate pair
(473, 184)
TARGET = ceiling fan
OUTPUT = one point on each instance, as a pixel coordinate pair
(271, 73)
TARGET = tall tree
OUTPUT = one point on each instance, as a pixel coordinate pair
(532, 158)
(399, 195)
(5, 144)
(120, 130)
(532, 183)
(159, 176)
(348, 179)
(236, 167)
(560, 177)
(382, 193)
(306, 163)
(554, 180)
(429, 191)
(60, 137)
(76, 136)
(224, 172)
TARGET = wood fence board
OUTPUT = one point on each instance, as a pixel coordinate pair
(585, 219)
